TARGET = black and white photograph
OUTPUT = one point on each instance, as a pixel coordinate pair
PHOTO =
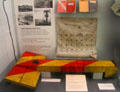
(25, 19)
(43, 18)
(25, 8)
(43, 3)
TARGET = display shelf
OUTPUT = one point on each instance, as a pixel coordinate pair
(107, 35)
(60, 86)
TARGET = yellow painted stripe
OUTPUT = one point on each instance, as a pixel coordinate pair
(110, 72)
(30, 79)
(54, 65)
(57, 63)
(102, 66)
(102, 63)
(28, 58)
(14, 78)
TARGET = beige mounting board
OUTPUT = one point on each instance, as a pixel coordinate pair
(76, 37)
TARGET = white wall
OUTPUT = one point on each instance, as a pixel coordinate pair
(6, 51)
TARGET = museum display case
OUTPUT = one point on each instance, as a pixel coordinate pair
(64, 45)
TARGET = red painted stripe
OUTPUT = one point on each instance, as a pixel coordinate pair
(21, 68)
(30, 54)
(76, 66)
(30, 66)
(17, 70)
